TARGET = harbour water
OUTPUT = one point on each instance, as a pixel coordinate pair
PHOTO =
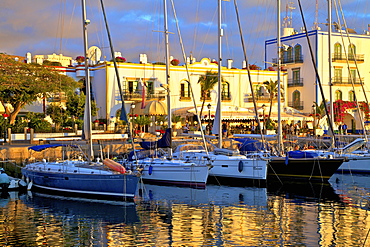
(294, 214)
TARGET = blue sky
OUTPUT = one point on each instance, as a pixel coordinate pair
(46, 27)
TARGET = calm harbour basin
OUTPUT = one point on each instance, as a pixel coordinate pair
(294, 214)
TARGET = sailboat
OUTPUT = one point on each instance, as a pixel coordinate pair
(227, 164)
(81, 177)
(299, 164)
(166, 169)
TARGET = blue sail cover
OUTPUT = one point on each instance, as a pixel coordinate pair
(40, 148)
(164, 142)
(301, 154)
(249, 145)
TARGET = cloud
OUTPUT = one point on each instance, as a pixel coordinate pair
(44, 27)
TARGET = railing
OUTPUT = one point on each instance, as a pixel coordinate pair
(185, 98)
(261, 98)
(295, 82)
(351, 57)
(138, 95)
(290, 59)
(296, 104)
(347, 80)
(225, 96)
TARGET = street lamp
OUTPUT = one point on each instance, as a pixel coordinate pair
(209, 118)
(263, 115)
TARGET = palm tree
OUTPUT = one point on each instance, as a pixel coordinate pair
(272, 88)
(207, 83)
(319, 112)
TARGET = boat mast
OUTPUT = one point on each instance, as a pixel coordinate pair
(279, 130)
(218, 109)
(87, 117)
(167, 51)
(330, 67)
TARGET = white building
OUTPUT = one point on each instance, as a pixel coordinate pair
(350, 63)
(63, 60)
(236, 95)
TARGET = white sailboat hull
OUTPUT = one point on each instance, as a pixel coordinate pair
(225, 166)
(175, 172)
(355, 164)
(238, 167)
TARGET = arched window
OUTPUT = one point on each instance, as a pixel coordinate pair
(337, 51)
(338, 95)
(351, 52)
(289, 53)
(184, 90)
(351, 96)
(298, 54)
(225, 91)
(297, 100)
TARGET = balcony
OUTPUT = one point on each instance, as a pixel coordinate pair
(137, 95)
(289, 60)
(185, 98)
(346, 81)
(295, 82)
(351, 57)
(296, 104)
(261, 98)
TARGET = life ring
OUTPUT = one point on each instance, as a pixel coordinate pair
(240, 166)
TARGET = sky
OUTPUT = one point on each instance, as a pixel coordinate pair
(136, 27)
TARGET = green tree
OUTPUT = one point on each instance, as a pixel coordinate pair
(76, 106)
(142, 121)
(207, 83)
(37, 122)
(22, 83)
(58, 114)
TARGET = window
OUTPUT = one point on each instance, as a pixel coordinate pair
(184, 90)
(225, 91)
(338, 95)
(131, 86)
(296, 76)
(296, 99)
(351, 96)
(289, 55)
(337, 51)
(338, 75)
(298, 53)
(351, 51)
(353, 76)
(149, 87)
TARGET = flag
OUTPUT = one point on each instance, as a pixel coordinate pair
(142, 93)
(123, 115)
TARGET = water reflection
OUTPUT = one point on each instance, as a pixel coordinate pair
(289, 214)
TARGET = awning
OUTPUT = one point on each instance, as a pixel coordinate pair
(151, 108)
(239, 113)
